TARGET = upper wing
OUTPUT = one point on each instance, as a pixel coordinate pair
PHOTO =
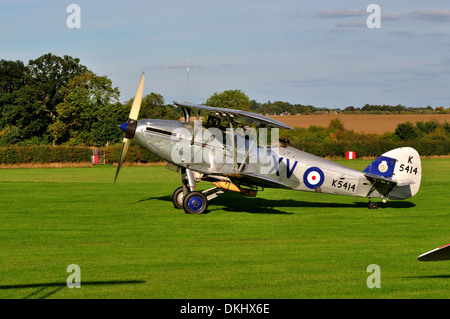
(238, 115)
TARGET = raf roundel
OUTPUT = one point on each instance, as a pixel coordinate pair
(383, 167)
(313, 177)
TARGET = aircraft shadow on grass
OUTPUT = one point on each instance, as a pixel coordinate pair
(430, 277)
(45, 290)
(236, 203)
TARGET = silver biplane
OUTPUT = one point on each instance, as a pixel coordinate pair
(237, 158)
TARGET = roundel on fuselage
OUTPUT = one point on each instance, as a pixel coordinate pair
(313, 177)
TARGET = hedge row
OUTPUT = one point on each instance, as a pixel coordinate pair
(44, 154)
(76, 154)
(69, 154)
(338, 149)
(135, 154)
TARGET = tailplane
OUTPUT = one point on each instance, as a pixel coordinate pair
(396, 174)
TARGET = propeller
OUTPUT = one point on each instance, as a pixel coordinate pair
(130, 127)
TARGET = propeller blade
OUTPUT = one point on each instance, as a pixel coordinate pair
(123, 155)
(130, 127)
(135, 108)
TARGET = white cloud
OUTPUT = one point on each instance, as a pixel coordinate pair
(174, 66)
(431, 15)
(419, 14)
(352, 24)
(335, 13)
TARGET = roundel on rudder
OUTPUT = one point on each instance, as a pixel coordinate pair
(313, 177)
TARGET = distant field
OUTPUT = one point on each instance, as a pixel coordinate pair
(361, 123)
(130, 242)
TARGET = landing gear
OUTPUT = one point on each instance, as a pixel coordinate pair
(185, 197)
(195, 203)
(179, 194)
(372, 205)
(177, 197)
(383, 187)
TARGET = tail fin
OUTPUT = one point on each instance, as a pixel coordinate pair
(400, 169)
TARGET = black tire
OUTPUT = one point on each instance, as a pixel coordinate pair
(195, 203)
(373, 205)
(177, 198)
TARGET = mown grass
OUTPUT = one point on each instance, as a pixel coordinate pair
(130, 242)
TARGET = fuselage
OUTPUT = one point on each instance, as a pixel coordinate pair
(208, 151)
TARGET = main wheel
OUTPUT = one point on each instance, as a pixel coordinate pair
(195, 203)
(177, 198)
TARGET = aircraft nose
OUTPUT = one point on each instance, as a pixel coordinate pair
(123, 127)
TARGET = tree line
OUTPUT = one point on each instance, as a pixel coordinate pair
(55, 100)
(428, 138)
(280, 107)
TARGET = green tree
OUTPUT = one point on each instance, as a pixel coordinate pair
(13, 76)
(427, 127)
(26, 114)
(20, 103)
(50, 73)
(407, 131)
(9, 135)
(231, 99)
(88, 99)
(29, 94)
(350, 109)
(283, 106)
(254, 106)
(335, 125)
(105, 130)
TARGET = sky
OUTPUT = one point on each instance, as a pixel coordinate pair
(321, 52)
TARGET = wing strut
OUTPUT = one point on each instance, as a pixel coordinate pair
(246, 156)
(233, 146)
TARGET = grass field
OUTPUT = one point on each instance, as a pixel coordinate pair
(130, 242)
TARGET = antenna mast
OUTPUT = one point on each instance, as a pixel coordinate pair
(187, 70)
